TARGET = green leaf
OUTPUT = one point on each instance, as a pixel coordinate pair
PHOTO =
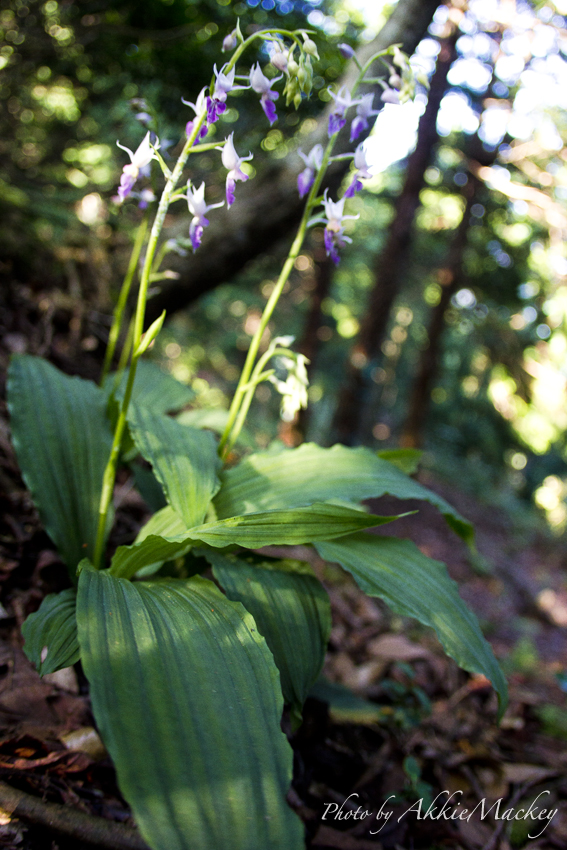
(215, 419)
(165, 523)
(50, 634)
(184, 460)
(414, 585)
(405, 459)
(152, 551)
(291, 609)
(295, 477)
(320, 521)
(153, 388)
(186, 696)
(150, 335)
(62, 440)
(302, 525)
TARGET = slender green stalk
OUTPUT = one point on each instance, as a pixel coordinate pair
(244, 391)
(118, 314)
(110, 471)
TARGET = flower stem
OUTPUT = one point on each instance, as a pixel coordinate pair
(118, 314)
(244, 392)
(109, 476)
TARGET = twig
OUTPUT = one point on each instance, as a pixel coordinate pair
(78, 825)
(500, 827)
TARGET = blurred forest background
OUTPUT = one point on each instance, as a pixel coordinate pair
(444, 326)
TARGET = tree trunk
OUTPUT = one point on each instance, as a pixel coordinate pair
(268, 207)
(391, 261)
(450, 278)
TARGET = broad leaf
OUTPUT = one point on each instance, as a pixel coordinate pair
(320, 521)
(215, 419)
(184, 461)
(62, 440)
(405, 459)
(414, 585)
(148, 555)
(295, 477)
(302, 525)
(186, 696)
(164, 523)
(291, 609)
(153, 388)
(50, 634)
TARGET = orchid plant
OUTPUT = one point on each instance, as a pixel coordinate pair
(192, 638)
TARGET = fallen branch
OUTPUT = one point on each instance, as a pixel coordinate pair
(67, 821)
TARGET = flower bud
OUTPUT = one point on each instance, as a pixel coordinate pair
(230, 41)
(309, 46)
(292, 66)
(395, 81)
(346, 50)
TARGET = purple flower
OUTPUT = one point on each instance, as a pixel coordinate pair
(343, 101)
(263, 86)
(199, 209)
(313, 162)
(146, 197)
(390, 96)
(216, 104)
(198, 108)
(362, 170)
(232, 163)
(363, 112)
(334, 231)
(139, 160)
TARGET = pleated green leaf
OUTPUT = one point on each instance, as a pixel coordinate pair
(414, 585)
(184, 461)
(302, 525)
(152, 551)
(215, 419)
(320, 521)
(153, 388)
(164, 523)
(295, 477)
(50, 634)
(291, 609)
(62, 440)
(187, 699)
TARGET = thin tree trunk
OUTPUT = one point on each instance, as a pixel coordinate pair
(391, 261)
(268, 207)
(450, 278)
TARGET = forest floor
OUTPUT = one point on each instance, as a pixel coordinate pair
(412, 726)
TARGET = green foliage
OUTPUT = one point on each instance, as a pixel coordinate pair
(187, 699)
(50, 634)
(310, 473)
(291, 610)
(184, 461)
(62, 440)
(414, 585)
